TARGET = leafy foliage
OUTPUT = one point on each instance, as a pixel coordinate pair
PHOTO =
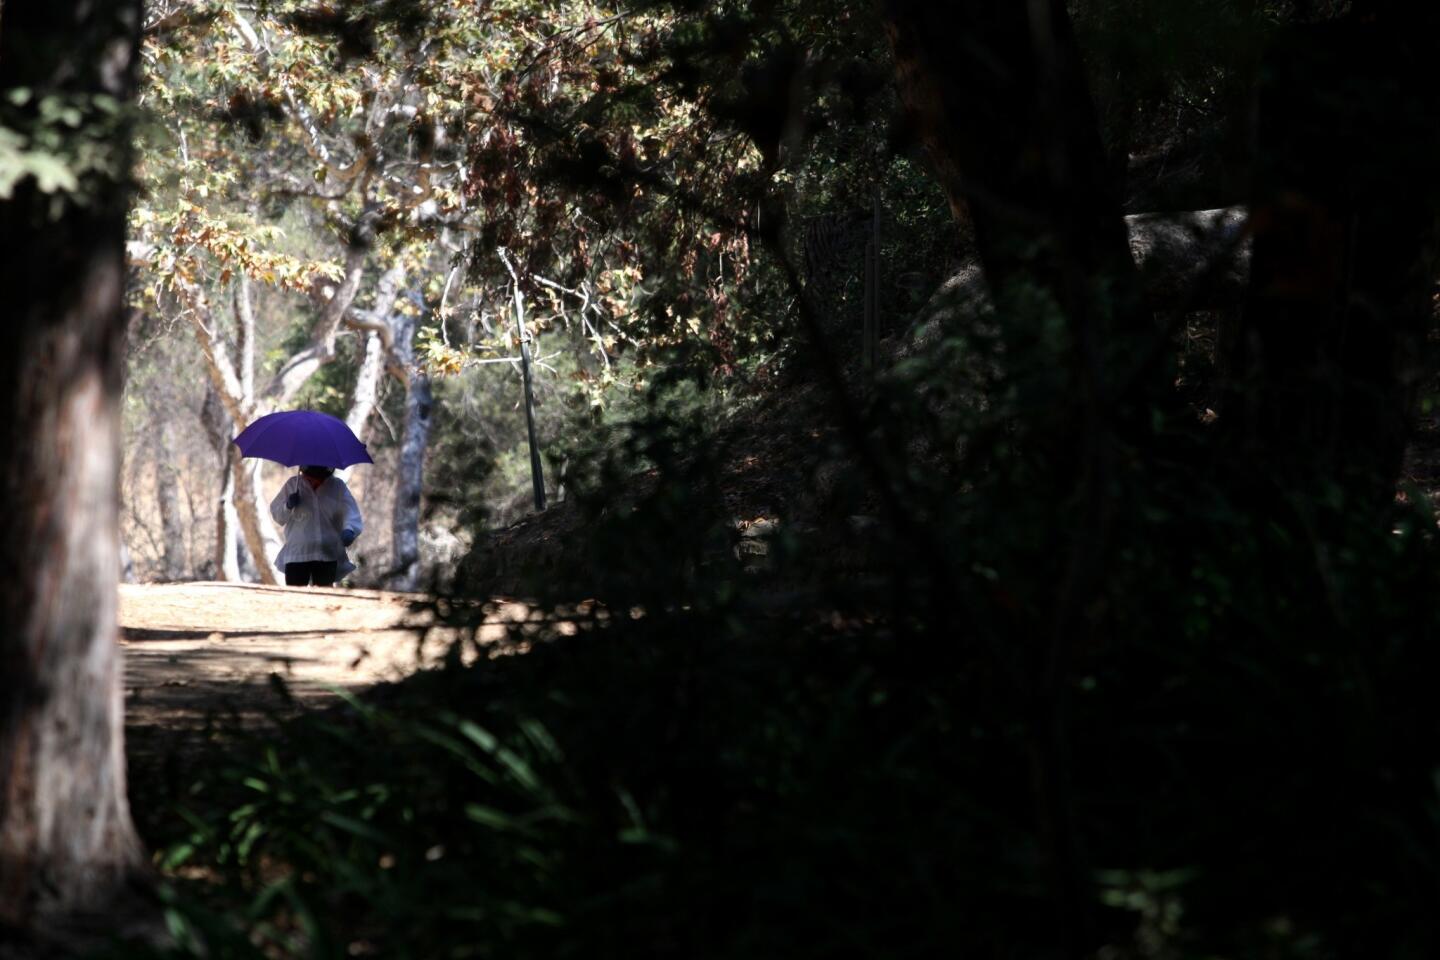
(968, 701)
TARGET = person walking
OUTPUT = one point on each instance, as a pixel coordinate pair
(321, 519)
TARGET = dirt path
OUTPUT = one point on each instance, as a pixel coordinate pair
(197, 651)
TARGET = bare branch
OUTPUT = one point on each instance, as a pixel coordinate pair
(583, 295)
(366, 322)
(292, 376)
(376, 320)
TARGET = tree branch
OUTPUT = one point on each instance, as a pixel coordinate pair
(218, 364)
(379, 348)
(245, 338)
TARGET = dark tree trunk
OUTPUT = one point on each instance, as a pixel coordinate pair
(1344, 219)
(419, 403)
(997, 91)
(998, 95)
(67, 846)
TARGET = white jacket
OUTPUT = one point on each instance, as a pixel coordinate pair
(313, 527)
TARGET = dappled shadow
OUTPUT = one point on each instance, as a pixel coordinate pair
(142, 634)
(246, 653)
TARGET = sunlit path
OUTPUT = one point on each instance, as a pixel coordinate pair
(203, 649)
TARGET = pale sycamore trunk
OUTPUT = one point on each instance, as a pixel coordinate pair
(227, 524)
(226, 552)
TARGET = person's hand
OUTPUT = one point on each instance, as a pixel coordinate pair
(347, 536)
(293, 501)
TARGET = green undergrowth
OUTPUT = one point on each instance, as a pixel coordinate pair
(1242, 779)
(1226, 749)
(672, 786)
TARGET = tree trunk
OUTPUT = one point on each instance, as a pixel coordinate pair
(261, 538)
(1344, 218)
(67, 845)
(1001, 102)
(252, 507)
(245, 340)
(233, 381)
(367, 387)
(228, 406)
(997, 91)
(127, 565)
(419, 403)
(167, 499)
(227, 523)
(379, 347)
(220, 428)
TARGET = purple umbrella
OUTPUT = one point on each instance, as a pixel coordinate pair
(300, 438)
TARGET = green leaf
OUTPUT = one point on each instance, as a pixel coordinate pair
(50, 172)
(490, 817)
(176, 855)
(351, 825)
(482, 738)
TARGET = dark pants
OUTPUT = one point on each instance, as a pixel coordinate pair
(321, 573)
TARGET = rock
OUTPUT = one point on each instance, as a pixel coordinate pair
(759, 528)
(1191, 260)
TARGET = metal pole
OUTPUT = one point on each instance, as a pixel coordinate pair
(868, 299)
(537, 471)
(871, 332)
